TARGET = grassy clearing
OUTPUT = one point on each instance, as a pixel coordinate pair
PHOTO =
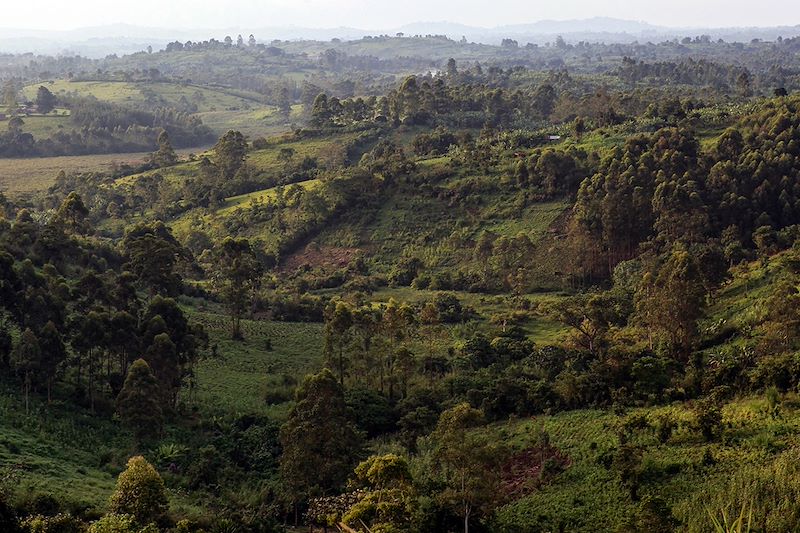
(409, 224)
(237, 379)
(268, 158)
(214, 221)
(45, 125)
(600, 141)
(246, 200)
(67, 452)
(740, 301)
(267, 165)
(534, 221)
(264, 162)
(57, 450)
(259, 122)
(38, 173)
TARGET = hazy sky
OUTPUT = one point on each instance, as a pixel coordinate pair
(380, 14)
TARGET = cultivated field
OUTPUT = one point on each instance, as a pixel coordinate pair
(20, 176)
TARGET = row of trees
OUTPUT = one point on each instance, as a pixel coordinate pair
(433, 101)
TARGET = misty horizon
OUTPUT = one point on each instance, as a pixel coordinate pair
(381, 15)
(422, 22)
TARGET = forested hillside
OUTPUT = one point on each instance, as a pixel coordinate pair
(404, 284)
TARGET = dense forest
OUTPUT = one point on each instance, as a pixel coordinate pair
(457, 288)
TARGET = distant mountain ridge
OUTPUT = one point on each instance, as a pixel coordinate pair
(597, 24)
(121, 38)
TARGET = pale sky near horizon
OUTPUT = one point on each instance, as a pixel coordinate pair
(388, 14)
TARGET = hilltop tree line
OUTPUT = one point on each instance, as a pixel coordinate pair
(513, 101)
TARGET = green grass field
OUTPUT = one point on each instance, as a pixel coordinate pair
(34, 174)
(261, 121)
(219, 108)
(57, 450)
(149, 93)
(44, 125)
(237, 380)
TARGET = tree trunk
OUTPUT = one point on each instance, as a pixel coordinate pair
(236, 327)
(125, 363)
(341, 365)
(390, 372)
(91, 382)
(467, 506)
(27, 393)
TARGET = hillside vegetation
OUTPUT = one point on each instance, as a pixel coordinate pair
(402, 284)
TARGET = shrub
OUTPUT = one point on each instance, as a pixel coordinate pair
(450, 309)
(405, 271)
(8, 518)
(434, 143)
(253, 443)
(780, 371)
(773, 402)
(441, 281)
(664, 425)
(708, 419)
(119, 523)
(652, 515)
(60, 523)
(204, 469)
(41, 504)
(375, 414)
(170, 454)
(278, 394)
(421, 282)
(140, 492)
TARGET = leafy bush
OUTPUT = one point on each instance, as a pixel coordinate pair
(708, 419)
(119, 523)
(60, 523)
(375, 415)
(405, 271)
(140, 492)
